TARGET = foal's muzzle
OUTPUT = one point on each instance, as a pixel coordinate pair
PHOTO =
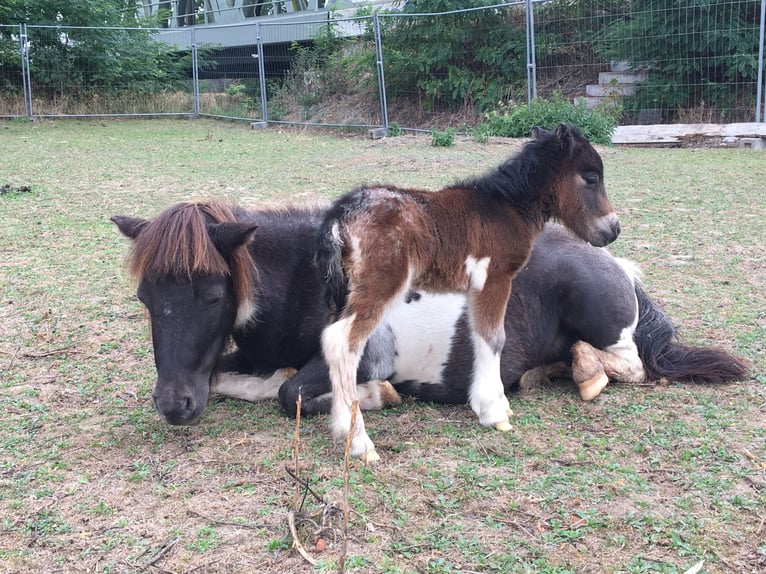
(607, 230)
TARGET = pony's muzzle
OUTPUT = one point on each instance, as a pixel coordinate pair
(179, 408)
(607, 230)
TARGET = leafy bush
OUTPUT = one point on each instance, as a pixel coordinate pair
(469, 59)
(517, 120)
(444, 138)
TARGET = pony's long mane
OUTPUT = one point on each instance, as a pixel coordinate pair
(176, 245)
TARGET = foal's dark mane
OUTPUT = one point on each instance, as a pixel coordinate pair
(518, 179)
(176, 245)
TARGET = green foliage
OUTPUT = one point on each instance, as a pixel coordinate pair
(75, 60)
(694, 50)
(444, 138)
(453, 60)
(517, 120)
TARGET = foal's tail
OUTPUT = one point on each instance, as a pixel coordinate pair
(329, 259)
(664, 357)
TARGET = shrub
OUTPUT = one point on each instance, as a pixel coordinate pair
(444, 138)
(517, 120)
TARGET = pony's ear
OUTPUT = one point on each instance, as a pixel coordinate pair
(539, 133)
(564, 137)
(129, 226)
(228, 236)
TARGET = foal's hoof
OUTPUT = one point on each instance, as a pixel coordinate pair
(591, 388)
(503, 426)
(371, 456)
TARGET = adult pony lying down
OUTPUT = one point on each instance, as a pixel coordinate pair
(207, 275)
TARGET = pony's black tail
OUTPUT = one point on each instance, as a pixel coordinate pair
(664, 357)
(329, 260)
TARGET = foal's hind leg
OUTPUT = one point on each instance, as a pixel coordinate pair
(343, 343)
(487, 300)
(592, 368)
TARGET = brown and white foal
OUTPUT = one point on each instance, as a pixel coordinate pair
(376, 243)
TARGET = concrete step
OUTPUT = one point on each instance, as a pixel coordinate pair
(622, 77)
(592, 102)
(609, 90)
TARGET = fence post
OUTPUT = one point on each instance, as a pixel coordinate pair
(262, 74)
(26, 78)
(379, 63)
(759, 90)
(195, 70)
(531, 64)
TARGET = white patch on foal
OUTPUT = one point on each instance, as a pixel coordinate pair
(476, 269)
(487, 394)
(343, 364)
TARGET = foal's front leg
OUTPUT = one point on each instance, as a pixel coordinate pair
(487, 301)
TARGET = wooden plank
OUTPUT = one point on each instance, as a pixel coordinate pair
(677, 133)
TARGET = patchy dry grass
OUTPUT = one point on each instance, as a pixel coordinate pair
(644, 479)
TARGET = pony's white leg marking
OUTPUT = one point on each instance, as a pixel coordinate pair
(626, 366)
(249, 387)
(342, 363)
(476, 269)
(487, 395)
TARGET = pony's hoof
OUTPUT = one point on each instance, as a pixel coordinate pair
(503, 426)
(371, 456)
(591, 388)
(388, 395)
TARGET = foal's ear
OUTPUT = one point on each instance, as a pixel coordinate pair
(228, 236)
(539, 133)
(129, 226)
(564, 137)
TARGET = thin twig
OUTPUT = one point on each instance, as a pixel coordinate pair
(296, 450)
(254, 526)
(13, 358)
(303, 482)
(47, 353)
(164, 550)
(347, 456)
(296, 541)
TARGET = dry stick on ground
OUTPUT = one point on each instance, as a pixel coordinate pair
(296, 451)
(347, 456)
(164, 550)
(296, 541)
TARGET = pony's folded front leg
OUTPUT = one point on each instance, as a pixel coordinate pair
(342, 357)
(487, 303)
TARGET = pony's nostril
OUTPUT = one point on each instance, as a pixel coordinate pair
(188, 405)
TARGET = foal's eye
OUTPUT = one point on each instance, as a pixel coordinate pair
(591, 179)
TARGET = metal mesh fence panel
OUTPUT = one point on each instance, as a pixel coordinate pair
(444, 70)
(658, 60)
(229, 81)
(106, 71)
(11, 78)
(326, 74)
(663, 61)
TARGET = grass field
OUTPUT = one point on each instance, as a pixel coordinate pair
(644, 479)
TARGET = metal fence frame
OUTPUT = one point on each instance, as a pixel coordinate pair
(531, 65)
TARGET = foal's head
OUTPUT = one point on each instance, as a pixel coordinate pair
(196, 278)
(580, 198)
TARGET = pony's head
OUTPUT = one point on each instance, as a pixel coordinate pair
(581, 202)
(196, 278)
